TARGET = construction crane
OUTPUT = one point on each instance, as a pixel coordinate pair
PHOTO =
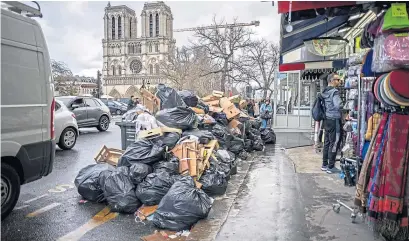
(232, 25)
(226, 26)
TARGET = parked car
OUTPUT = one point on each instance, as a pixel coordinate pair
(27, 103)
(89, 111)
(115, 107)
(66, 128)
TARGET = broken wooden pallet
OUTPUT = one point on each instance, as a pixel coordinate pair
(108, 155)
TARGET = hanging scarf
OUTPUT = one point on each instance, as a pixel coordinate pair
(387, 213)
(364, 175)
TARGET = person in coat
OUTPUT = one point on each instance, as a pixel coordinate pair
(265, 109)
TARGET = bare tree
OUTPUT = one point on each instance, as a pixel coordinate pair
(185, 70)
(64, 80)
(258, 65)
(222, 44)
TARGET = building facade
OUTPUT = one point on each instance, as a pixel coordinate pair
(129, 60)
(80, 85)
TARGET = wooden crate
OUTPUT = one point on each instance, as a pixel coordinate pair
(108, 155)
(150, 101)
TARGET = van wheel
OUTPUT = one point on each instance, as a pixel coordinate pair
(68, 138)
(10, 189)
(103, 123)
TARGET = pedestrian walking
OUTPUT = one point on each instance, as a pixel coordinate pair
(265, 113)
(131, 103)
(332, 123)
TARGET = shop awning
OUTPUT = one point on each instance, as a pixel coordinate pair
(317, 66)
(307, 29)
(284, 6)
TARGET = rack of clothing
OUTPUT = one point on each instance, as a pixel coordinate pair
(382, 143)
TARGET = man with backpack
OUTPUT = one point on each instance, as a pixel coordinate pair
(332, 123)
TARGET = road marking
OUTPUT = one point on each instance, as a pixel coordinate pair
(43, 210)
(100, 218)
(61, 188)
(21, 207)
(36, 198)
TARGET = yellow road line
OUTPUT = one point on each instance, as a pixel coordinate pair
(100, 218)
(43, 210)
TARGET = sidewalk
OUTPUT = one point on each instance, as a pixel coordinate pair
(282, 195)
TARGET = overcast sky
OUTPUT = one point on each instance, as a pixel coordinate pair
(74, 30)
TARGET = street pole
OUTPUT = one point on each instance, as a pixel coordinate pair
(98, 84)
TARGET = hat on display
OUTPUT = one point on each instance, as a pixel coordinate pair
(382, 93)
(392, 95)
(399, 82)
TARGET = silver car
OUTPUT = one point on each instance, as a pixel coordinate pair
(66, 128)
(89, 111)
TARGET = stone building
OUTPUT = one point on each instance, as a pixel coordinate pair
(130, 60)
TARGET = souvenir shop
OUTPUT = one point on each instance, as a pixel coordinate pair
(376, 123)
(375, 147)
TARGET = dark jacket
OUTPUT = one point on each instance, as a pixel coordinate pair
(333, 103)
(131, 104)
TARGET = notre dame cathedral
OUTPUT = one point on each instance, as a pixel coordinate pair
(131, 60)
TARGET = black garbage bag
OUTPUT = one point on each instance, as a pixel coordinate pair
(219, 131)
(258, 144)
(248, 145)
(138, 172)
(142, 151)
(87, 181)
(120, 193)
(203, 106)
(228, 158)
(189, 98)
(225, 168)
(169, 98)
(179, 117)
(221, 118)
(154, 187)
(169, 140)
(233, 168)
(256, 124)
(268, 136)
(213, 183)
(243, 155)
(235, 145)
(204, 136)
(255, 132)
(182, 206)
(171, 166)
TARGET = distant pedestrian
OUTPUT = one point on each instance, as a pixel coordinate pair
(137, 101)
(250, 107)
(332, 123)
(265, 113)
(131, 103)
(256, 109)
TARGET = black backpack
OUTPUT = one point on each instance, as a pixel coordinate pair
(318, 109)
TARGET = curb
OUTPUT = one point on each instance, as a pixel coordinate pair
(207, 229)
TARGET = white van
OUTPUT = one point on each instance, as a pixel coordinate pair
(27, 103)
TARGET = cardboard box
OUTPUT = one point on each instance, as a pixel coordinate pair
(235, 124)
(213, 103)
(150, 101)
(210, 98)
(243, 104)
(225, 102)
(231, 111)
(215, 109)
(218, 94)
(197, 110)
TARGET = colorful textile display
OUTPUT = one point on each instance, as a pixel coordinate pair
(384, 194)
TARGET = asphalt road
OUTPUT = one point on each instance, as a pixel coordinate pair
(51, 208)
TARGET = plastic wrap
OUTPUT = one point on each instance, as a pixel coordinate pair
(142, 151)
(391, 51)
(169, 98)
(154, 187)
(182, 206)
(179, 117)
(189, 98)
(87, 181)
(120, 193)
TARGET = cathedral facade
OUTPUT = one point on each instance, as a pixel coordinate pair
(129, 60)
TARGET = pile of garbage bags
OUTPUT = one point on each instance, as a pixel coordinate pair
(150, 173)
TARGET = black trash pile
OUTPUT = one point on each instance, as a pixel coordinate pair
(152, 170)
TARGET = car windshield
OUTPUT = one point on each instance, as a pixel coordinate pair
(65, 100)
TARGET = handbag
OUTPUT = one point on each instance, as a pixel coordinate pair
(265, 115)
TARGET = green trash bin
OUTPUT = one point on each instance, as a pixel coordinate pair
(128, 133)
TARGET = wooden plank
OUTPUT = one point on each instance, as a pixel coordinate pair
(197, 110)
